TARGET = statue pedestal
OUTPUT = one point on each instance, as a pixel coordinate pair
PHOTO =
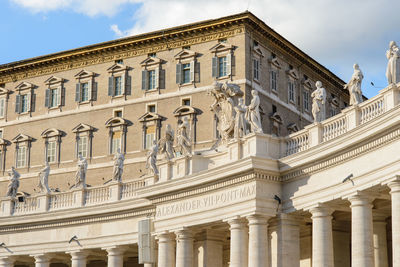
(150, 179)
(79, 197)
(115, 189)
(235, 149)
(165, 170)
(43, 202)
(7, 206)
(181, 167)
(315, 133)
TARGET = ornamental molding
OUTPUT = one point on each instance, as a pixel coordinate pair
(80, 220)
(110, 55)
(339, 158)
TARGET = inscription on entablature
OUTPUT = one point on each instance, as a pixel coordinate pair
(207, 202)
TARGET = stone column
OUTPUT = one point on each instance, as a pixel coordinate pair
(209, 248)
(380, 242)
(362, 250)
(184, 248)
(166, 250)
(42, 260)
(7, 262)
(239, 243)
(78, 258)
(258, 241)
(322, 238)
(395, 193)
(115, 256)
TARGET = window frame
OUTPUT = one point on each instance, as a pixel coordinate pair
(54, 83)
(118, 71)
(83, 130)
(189, 58)
(22, 141)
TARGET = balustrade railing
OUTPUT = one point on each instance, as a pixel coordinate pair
(129, 188)
(334, 127)
(29, 205)
(61, 200)
(297, 142)
(97, 195)
(371, 109)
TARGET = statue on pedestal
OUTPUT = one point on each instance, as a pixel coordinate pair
(253, 113)
(80, 176)
(393, 66)
(183, 137)
(354, 86)
(240, 120)
(319, 100)
(13, 185)
(166, 144)
(151, 161)
(118, 166)
(44, 179)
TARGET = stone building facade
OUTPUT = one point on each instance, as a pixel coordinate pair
(275, 198)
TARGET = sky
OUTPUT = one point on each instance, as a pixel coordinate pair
(336, 33)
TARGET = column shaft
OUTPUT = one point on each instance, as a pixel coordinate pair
(258, 241)
(184, 248)
(395, 193)
(166, 250)
(322, 238)
(380, 244)
(239, 244)
(6, 262)
(362, 250)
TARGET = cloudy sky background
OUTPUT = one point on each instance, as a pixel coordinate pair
(337, 33)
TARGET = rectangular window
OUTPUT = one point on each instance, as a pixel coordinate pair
(152, 79)
(117, 86)
(256, 67)
(24, 103)
(306, 100)
(274, 83)
(186, 102)
(54, 98)
(151, 108)
(21, 157)
(82, 146)
(150, 136)
(51, 151)
(186, 73)
(2, 107)
(222, 66)
(84, 92)
(291, 91)
(116, 142)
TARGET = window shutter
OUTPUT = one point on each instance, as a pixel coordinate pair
(157, 78)
(197, 72)
(61, 96)
(162, 79)
(145, 80)
(214, 67)
(111, 86)
(228, 64)
(90, 89)
(78, 92)
(18, 104)
(47, 99)
(179, 73)
(2, 104)
(128, 85)
(94, 91)
(123, 83)
(28, 102)
(192, 70)
(33, 102)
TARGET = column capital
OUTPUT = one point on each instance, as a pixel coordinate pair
(42, 258)
(236, 222)
(257, 219)
(78, 254)
(165, 237)
(394, 186)
(361, 199)
(184, 234)
(115, 250)
(321, 210)
(7, 260)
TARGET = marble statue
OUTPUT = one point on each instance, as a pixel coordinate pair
(253, 113)
(183, 137)
(223, 107)
(13, 185)
(166, 144)
(118, 166)
(80, 176)
(240, 120)
(151, 161)
(318, 104)
(393, 66)
(354, 86)
(44, 179)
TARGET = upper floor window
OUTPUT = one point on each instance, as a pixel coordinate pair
(222, 61)
(187, 68)
(292, 78)
(256, 69)
(274, 72)
(119, 82)
(55, 93)
(84, 135)
(117, 134)
(307, 88)
(52, 141)
(22, 150)
(3, 101)
(24, 100)
(86, 88)
(21, 156)
(152, 74)
(151, 128)
(291, 91)
(274, 80)
(306, 100)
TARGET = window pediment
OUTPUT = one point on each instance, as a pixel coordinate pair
(258, 51)
(308, 83)
(274, 62)
(3, 142)
(276, 118)
(116, 121)
(22, 138)
(84, 74)
(292, 128)
(54, 80)
(150, 116)
(185, 53)
(51, 132)
(4, 91)
(185, 110)
(292, 73)
(149, 61)
(117, 68)
(81, 127)
(222, 47)
(24, 86)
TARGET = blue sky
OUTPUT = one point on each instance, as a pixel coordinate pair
(337, 33)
